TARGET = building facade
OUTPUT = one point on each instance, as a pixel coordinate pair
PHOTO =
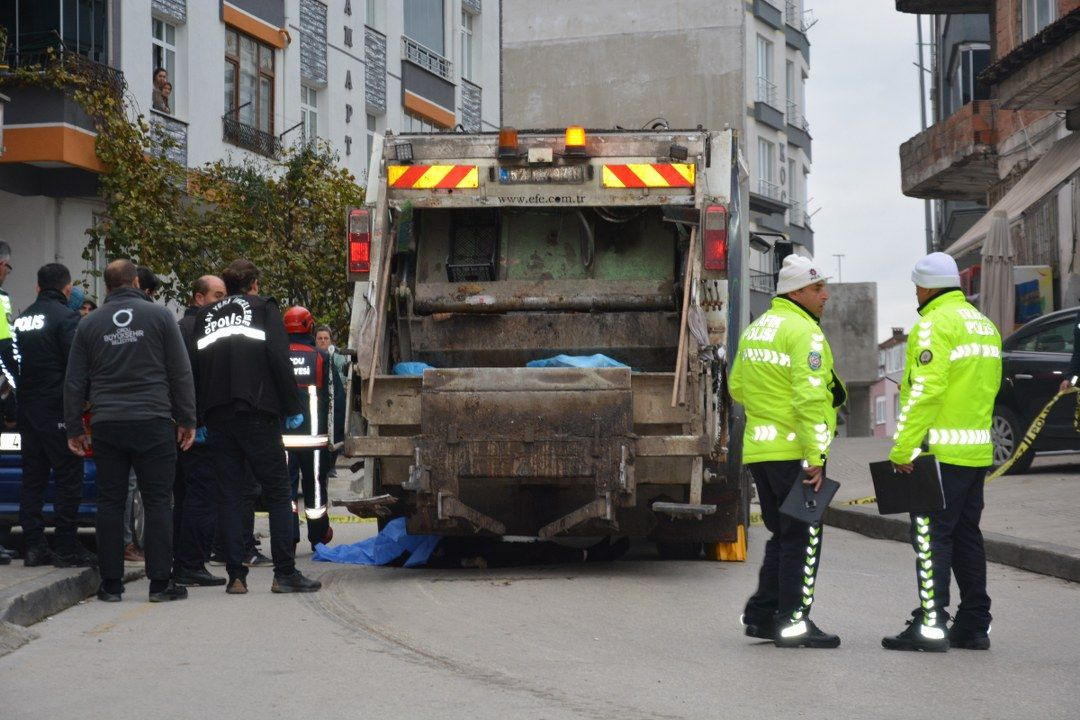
(248, 78)
(885, 393)
(1006, 106)
(777, 139)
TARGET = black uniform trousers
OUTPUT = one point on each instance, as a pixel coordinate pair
(44, 451)
(194, 507)
(251, 438)
(302, 473)
(148, 446)
(956, 548)
(784, 585)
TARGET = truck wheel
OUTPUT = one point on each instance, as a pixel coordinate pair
(679, 550)
(137, 521)
(1006, 433)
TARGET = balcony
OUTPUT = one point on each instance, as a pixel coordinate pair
(795, 118)
(250, 138)
(426, 58)
(172, 134)
(954, 159)
(761, 281)
(766, 108)
(1041, 74)
(941, 7)
(47, 127)
(766, 91)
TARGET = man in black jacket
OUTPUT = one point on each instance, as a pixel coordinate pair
(42, 337)
(196, 486)
(128, 359)
(245, 389)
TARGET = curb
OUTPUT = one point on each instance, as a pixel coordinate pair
(1032, 555)
(34, 600)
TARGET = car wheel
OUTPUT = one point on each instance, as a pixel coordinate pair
(137, 521)
(1006, 434)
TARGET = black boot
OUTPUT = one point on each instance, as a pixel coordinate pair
(37, 555)
(968, 639)
(171, 592)
(764, 630)
(917, 636)
(196, 576)
(78, 556)
(294, 583)
(804, 633)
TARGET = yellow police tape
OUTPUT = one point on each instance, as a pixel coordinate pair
(1029, 437)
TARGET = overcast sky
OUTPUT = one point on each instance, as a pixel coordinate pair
(862, 102)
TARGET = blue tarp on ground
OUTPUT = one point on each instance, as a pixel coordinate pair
(386, 547)
(410, 368)
(576, 361)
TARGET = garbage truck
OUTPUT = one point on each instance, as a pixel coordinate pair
(542, 325)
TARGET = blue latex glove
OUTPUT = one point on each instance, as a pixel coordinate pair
(200, 435)
(294, 421)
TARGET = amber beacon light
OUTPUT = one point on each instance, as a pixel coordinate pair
(575, 140)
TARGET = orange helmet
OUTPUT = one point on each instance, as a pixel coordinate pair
(298, 321)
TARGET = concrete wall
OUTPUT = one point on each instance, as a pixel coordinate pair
(850, 325)
(609, 62)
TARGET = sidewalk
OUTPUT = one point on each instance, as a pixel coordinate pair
(29, 595)
(1030, 521)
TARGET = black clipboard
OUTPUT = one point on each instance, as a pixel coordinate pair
(917, 492)
(805, 505)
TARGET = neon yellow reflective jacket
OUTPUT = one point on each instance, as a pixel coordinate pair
(951, 377)
(783, 376)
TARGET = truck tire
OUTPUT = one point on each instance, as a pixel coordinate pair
(137, 521)
(679, 550)
(1006, 433)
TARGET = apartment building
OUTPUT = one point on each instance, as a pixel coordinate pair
(1006, 106)
(777, 139)
(885, 393)
(248, 79)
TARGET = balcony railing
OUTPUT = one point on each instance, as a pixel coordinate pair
(796, 17)
(250, 138)
(426, 58)
(766, 91)
(762, 281)
(768, 189)
(795, 118)
(97, 73)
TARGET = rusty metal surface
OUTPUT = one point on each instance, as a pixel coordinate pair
(672, 446)
(363, 446)
(375, 507)
(643, 339)
(395, 401)
(450, 508)
(543, 380)
(599, 508)
(518, 295)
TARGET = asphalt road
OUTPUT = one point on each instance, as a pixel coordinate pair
(637, 638)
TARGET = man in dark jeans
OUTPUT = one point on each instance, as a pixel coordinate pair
(245, 389)
(43, 336)
(128, 359)
(196, 488)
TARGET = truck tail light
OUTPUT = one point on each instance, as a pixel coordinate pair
(359, 241)
(715, 238)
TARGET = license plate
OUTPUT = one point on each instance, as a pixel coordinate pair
(541, 175)
(10, 442)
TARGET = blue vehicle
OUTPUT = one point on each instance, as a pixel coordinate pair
(11, 484)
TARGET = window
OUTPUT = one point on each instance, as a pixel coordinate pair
(766, 88)
(970, 60)
(1037, 15)
(879, 410)
(1054, 339)
(309, 112)
(416, 124)
(369, 14)
(766, 162)
(249, 81)
(466, 45)
(163, 46)
(795, 217)
(370, 136)
(896, 406)
(424, 23)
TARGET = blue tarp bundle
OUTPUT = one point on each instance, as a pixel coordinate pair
(410, 368)
(576, 361)
(391, 543)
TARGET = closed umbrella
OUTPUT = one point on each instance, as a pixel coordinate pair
(997, 296)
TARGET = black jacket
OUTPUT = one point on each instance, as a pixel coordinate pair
(42, 338)
(240, 353)
(129, 360)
